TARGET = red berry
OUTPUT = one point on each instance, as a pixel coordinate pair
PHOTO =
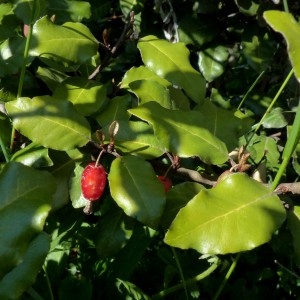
(166, 182)
(93, 181)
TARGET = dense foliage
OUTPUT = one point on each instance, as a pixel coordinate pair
(192, 109)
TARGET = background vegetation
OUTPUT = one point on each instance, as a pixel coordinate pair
(203, 92)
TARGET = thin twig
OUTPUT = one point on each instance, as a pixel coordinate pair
(128, 28)
(195, 176)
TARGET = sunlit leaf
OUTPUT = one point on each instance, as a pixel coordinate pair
(171, 61)
(67, 45)
(86, 95)
(212, 61)
(139, 194)
(275, 119)
(183, 133)
(177, 198)
(138, 138)
(33, 155)
(285, 23)
(223, 123)
(50, 122)
(238, 214)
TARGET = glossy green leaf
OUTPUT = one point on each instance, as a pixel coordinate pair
(238, 214)
(66, 10)
(11, 55)
(183, 133)
(19, 279)
(177, 198)
(139, 194)
(275, 119)
(112, 233)
(137, 138)
(142, 73)
(86, 95)
(293, 221)
(52, 42)
(223, 124)
(50, 122)
(171, 61)
(116, 109)
(147, 90)
(137, 75)
(33, 155)
(212, 61)
(286, 24)
(26, 196)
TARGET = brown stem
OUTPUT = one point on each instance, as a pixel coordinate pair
(195, 176)
(105, 62)
(283, 188)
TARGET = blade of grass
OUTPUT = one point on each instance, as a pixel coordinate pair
(289, 148)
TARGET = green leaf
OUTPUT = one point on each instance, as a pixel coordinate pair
(139, 194)
(238, 214)
(33, 155)
(52, 42)
(275, 119)
(286, 24)
(183, 133)
(211, 62)
(116, 109)
(142, 73)
(11, 58)
(112, 233)
(137, 138)
(177, 198)
(248, 7)
(86, 95)
(51, 77)
(30, 10)
(66, 10)
(263, 147)
(19, 279)
(147, 90)
(171, 61)
(51, 122)
(293, 221)
(26, 196)
(130, 290)
(75, 287)
(223, 124)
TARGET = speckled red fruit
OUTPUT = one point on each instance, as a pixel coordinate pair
(93, 181)
(166, 182)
